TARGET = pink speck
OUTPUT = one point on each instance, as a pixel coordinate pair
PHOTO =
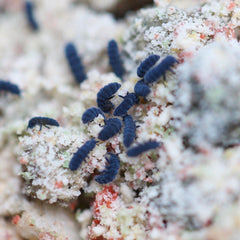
(231, 5)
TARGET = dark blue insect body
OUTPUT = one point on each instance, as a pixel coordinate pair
(80, 155)
(129, 130)
(141, 89)
(29, 11)
(112, 127)
(42, 121)
(111, 170)
(147, 64)
(91, 113)
(105, 94)
(129, 100)
(75, 62)
(135, 151)
(155, 73)
(6, 86)
(115, 59)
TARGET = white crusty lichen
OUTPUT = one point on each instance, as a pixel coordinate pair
(190, 199)
(206, 109)
(171, 30)
(45, 160)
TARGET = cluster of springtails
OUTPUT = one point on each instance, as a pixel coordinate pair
(148, 73)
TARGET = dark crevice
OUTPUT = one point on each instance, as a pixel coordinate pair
(125, 6)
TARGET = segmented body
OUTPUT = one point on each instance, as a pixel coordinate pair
(75, 62)
(42, 121)
(104, 96)
(129, 100)
(6, 86)
(141, 89)
(115, 59)
(111, 170)
(90, 114)
(129, 131)
(147, 64)
(29, 11)
(112, 127)
(81, 154)
(160, 70)
(135, 151)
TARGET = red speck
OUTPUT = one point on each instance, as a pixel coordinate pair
(15, 219)
(58, 184)
(183, 55)
(23, 161)
(156, 36)
(96, 221)
(202, 36)
(231, 5)
(208, 223)
(73, 205)
(148, 179)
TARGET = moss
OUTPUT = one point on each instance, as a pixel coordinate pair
(66, 164)
(26, 175)
(166, 44)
